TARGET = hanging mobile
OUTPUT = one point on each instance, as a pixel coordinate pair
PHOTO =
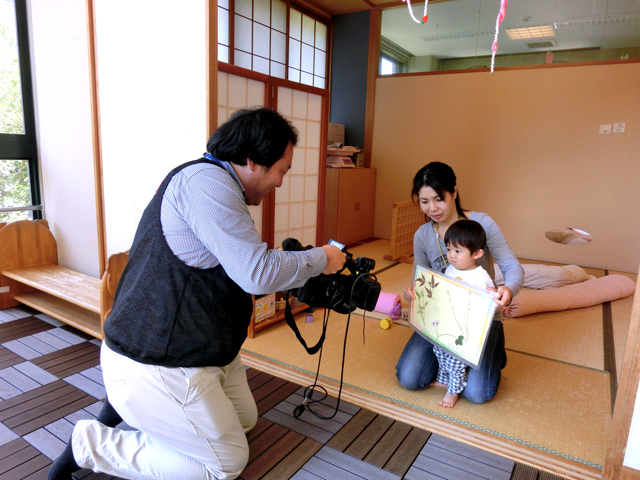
(494, 46)
(424, 15)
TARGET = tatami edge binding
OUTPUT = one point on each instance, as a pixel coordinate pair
(518, 450)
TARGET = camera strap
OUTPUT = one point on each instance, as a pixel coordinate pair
(292, 324)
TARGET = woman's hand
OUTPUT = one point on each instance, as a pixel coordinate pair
(503, 296)
(408, 294)
(336, 259)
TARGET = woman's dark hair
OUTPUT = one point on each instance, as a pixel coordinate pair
(260, 134)
(441, 178)
(466, 233)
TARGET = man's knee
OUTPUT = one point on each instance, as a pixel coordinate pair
(235, 464)
(249, 419)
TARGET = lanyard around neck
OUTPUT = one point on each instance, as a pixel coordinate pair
(444, 258)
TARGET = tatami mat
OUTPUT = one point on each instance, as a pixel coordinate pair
(376, 250)
(545, 404)
(394, 279)
(559, 336)
(555, 396)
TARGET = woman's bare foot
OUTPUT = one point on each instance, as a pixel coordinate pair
(449, 400)
(435, 383)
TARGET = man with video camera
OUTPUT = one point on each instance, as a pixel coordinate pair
(180, 315)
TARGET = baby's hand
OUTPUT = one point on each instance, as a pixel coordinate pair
(408, 293)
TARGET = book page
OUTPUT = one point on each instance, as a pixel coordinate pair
(452, 315)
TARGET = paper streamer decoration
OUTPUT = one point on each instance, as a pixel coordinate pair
(494, 46)
(424, 15)
(389, 303)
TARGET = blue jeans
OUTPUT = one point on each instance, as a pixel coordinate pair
(418, 365)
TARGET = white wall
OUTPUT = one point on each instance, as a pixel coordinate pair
(526, 148)
(152, 82)
(61, 81)
(152, 104)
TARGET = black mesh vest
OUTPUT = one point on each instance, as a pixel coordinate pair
(167, 313)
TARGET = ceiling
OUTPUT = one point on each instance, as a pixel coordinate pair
(463, 28)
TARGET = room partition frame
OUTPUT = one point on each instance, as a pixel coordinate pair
(625, 423)
(295, 209)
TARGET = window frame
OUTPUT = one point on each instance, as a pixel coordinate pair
(480, 62)
(24, 146)
(230, 46)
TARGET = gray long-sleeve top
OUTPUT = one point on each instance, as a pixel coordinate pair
(428, 254)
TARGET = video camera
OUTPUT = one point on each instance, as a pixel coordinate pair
(339, 292)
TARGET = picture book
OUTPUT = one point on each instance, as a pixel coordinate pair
(452, 315)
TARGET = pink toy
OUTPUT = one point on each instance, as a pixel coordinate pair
(389, 303)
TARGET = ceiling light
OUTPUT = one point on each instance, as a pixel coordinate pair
(547, 44)
(530, 32)
(455, 36)
(592, 21)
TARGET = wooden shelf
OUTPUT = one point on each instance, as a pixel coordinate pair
(277, 317)
(30, 274)
(73, 287)
(348, 204)
(69, 313)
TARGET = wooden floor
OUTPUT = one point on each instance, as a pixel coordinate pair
(50, 377)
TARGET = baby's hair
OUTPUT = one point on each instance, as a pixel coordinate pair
(466, 233)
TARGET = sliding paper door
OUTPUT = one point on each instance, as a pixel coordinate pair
(297, 201)
(236, 92)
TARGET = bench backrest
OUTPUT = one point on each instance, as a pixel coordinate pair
(109, 282)
(24, 243)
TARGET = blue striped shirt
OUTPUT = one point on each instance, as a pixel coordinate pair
(206, 222)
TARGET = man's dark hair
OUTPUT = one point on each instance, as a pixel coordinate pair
(466, 233)
(260, 134)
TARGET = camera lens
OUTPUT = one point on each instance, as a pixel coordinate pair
(365, 264)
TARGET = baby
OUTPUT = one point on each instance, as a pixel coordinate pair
(465, 241)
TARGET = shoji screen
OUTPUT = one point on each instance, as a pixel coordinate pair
(234, 93)
(296, 203)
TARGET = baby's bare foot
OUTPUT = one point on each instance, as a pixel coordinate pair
(437, 384)
(449, 400)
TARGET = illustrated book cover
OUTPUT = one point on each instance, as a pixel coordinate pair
(452, 315)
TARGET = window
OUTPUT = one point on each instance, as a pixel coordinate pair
(307, 49)
(458, 34)
(271, 37)
(387, 66)
(19, 186)
(393, 58)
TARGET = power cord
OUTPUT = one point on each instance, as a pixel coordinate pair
(308, 400)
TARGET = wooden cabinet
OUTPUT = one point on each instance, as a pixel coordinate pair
(348, 204)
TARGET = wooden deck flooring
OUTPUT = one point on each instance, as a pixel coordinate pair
(50, 378)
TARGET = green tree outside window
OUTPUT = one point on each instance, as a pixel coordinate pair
(14, 174)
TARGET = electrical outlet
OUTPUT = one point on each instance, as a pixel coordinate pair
(605, 129)
(4, 289)
(618, 127)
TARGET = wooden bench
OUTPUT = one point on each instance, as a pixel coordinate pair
(69, 296)
(30, 275)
